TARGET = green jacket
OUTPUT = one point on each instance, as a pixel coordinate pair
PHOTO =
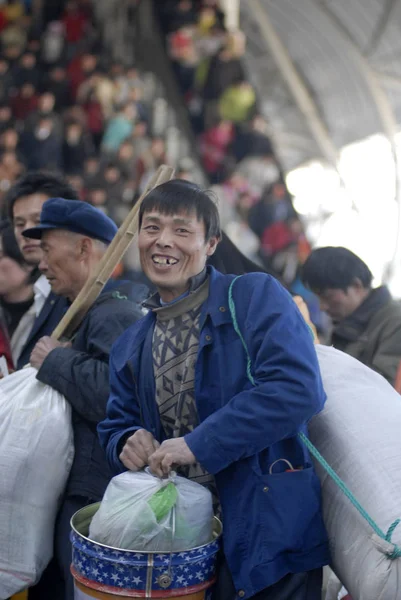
(372, 333)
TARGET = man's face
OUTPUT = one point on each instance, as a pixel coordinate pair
(46, 102)
(60, 262)
(339, 304)
(26, 214)
(172, 250)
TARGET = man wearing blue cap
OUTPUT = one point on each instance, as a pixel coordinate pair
(74, 237)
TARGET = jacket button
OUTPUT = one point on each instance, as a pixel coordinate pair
(266, 489)
(241, 593)
(52, 302)
(208, 338)
(222, 309)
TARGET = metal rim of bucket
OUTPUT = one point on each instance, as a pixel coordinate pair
(216, 521)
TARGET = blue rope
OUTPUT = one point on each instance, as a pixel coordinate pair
(396, 553)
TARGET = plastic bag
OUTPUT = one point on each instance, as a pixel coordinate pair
(144, 513)
(36, 453)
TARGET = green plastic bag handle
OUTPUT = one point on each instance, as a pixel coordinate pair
(163, 501)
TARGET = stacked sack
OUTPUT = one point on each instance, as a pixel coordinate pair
(358, 434)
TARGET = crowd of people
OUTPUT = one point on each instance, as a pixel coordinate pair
(226, 418)
(234, 142)
(66, 106)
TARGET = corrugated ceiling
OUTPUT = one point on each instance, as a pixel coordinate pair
(313, 32)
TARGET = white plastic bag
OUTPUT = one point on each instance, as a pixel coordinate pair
(358, 433)
(127, 521)
(36, 453)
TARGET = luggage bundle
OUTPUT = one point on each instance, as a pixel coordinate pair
(36, 453)
(358, 434)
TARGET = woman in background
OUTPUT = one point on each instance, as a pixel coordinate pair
(16, 296)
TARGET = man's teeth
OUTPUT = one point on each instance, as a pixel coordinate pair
(164, 261)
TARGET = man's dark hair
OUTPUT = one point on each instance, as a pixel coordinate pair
(180, 196)
(10, 244)
(39, 182)
(334, 268)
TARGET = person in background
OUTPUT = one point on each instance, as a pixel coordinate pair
(219, 378)
(16, 295)
(43, 147)
(77, 147)
(24, 204)
(119, 128)
(366, 320)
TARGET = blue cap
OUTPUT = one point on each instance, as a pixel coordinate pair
(75, 216)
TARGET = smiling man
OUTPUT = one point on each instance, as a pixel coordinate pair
(217, 380)
(74, 237)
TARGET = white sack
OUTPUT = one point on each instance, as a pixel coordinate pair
(36, 452)
(359, 434)
(125, 520)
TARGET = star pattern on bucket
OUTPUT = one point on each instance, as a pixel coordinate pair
(127, 570)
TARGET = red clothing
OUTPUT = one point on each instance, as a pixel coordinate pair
(213, 146)
(94, 116)
(76, 75)
(277, 237)
(5, 349)
(3, 20)
(22, 107)
(75, 26)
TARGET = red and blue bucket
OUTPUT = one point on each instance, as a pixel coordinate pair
(103, 572)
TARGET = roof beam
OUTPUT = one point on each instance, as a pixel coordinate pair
(381, 26)
(295, 82)
(384, 110)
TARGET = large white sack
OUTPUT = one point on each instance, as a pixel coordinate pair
(126, 520)
(359, 434)
(36, 452)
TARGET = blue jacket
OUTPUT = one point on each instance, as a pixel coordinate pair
(81, 374)
(272, 521)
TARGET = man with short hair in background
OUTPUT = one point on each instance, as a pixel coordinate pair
(366, 320)
(24, 204)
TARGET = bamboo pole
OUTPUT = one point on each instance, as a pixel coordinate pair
(118, 247)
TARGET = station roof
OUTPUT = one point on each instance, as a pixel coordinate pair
(337, 46)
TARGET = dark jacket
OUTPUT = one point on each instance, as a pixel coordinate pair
(272, 521)
(228, 259)
(81, 374)
(45, 323)
(221, 75)
(41, 154)
(372, 333)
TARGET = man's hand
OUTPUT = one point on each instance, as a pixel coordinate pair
(171, 452)
(138, 449)
(42, 350)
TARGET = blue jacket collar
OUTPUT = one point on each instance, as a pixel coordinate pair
(216, 306)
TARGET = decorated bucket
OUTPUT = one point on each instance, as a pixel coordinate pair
(103, 572)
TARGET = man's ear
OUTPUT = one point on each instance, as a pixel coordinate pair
(85, 247)
(212, 245)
